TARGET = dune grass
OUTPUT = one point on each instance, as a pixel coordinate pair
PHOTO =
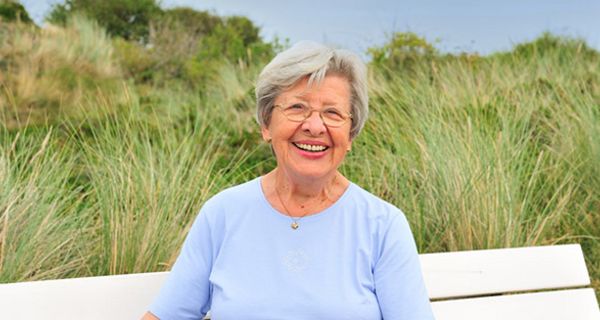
(43, 217)
(479, 152)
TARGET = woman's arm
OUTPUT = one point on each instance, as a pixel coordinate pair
(399, 284)
(186, 292)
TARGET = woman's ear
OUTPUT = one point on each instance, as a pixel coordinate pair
(266, 134)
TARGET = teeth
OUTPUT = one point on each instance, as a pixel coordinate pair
(310, 147)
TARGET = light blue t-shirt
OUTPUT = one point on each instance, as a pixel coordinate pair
(241, 260)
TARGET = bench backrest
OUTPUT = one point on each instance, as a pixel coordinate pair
(545, 282)
(462, 285)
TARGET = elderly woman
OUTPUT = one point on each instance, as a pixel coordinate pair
(301, 242)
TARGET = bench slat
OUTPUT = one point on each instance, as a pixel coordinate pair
(108, 297)
(576, 304)
(481, 272)
(453, 274)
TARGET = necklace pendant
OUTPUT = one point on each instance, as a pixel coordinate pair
(295, 225)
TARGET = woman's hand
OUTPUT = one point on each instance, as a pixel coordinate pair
(149, 316)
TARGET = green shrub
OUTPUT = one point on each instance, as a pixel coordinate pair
(13, 11)
(235, 40)
(402, 52)
(129, 19)
(187, 48)
(136, 61)
(197, 23)
(548, 44)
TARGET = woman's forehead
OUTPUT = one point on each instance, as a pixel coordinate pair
(331, 88)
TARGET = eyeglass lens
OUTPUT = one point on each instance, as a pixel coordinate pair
(298, 112)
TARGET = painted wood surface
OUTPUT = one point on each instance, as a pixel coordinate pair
(471, 273)
(109, 297)
(452, 274)
(576, 304)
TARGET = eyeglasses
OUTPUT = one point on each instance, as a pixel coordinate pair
(298, 112)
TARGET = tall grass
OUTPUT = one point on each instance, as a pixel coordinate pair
(500, 151)
(146, 185)
(43, 217)
(474, 163)
(46, 75)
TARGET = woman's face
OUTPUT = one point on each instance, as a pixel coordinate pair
(310, 149)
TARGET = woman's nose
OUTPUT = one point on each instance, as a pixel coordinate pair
(314, 123)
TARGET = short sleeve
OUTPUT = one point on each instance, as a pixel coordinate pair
(399, 285)
(186, 292)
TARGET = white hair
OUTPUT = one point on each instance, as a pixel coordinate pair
(315, 61)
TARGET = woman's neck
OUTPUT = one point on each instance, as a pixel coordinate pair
(302, 188)
(303, 196)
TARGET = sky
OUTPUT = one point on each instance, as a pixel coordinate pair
(482, 26)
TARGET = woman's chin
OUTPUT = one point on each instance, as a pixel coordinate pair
(313, 172)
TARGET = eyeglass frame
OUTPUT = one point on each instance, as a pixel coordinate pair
(310, 112)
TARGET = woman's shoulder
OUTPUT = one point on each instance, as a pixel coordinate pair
(372, 206)
(365, 197)
(229, 205)
(238, 195)
(245, 190)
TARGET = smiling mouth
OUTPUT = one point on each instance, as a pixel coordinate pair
(310, 147)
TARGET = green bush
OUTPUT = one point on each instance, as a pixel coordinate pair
(129, 19)
(173, 40)
(136, 61)
(402, 52)
(548, 44)
(188, 48)
(180, 45)
(13, 11)
(235, 40)
(197, 23)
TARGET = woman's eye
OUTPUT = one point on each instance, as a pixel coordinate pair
(334, 113)
(296, 108)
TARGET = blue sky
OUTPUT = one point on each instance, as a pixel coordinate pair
(482, 26)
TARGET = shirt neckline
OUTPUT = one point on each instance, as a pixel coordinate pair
(311, 217)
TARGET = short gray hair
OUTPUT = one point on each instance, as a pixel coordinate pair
(315, 61)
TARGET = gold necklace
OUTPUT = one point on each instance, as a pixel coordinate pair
(294, 224)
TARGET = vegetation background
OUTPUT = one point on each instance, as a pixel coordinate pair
(118, 119)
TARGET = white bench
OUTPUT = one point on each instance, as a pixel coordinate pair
(548, 283)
